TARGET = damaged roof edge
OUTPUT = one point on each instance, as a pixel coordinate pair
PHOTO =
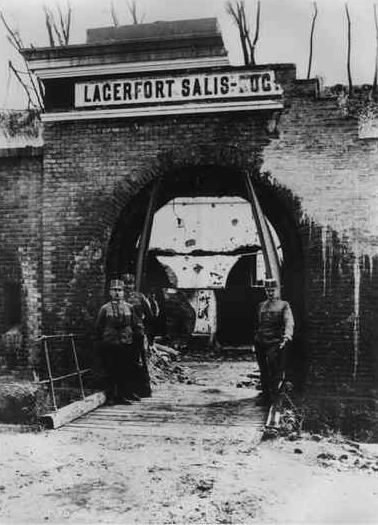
(127, 39)
(178, 29)
(105, 48)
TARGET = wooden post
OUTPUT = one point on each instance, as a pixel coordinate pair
(312, 39)
(349, 26)
(73, 346)
(145, 236)
(51, 381)
(270, 255)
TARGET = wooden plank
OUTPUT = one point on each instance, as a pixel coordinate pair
(169, 413)
(72, 411)
(160, 424)
(146, 234)
(271, 259)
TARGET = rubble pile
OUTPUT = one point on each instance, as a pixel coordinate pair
(164, 366)
(351, 456)
(335, 452)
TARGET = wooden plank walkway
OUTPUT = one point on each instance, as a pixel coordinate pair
(178, 409)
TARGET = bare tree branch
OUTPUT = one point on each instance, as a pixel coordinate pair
(65, 22)
(58, 27)
(375, 80)
(57, 31)
(236, 10)
(22, 83)
(13, 36)
(257, 31)
(68, 23)
(114, 15)
(245, 30)
(350, 83)
(49, 27)
(237, 18)
(314, 17)
(12, 42)
(34, 87)
(133, 10)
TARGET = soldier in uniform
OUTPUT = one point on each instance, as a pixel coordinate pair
(273, 336)
(119, 330)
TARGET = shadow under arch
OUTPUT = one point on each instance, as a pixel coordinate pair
(237, 304)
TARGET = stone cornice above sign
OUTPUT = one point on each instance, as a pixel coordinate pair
(65, 68)
(62, 61)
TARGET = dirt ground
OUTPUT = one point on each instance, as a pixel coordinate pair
(127, 465)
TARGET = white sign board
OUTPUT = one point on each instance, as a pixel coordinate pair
(177, 89)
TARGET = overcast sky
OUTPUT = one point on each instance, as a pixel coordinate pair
(284, 36)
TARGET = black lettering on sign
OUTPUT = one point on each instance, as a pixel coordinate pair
(266, 83)
(159, 89)
(207, 90)
(106, 92)
(147, 89)
(215, 85)
(127, 91)
(255, 83)
(86, 97)
(185, 87)
(117, 91)
(96, 94)
(225, 85)
(169, 83)
(137, 89)
(196, 87)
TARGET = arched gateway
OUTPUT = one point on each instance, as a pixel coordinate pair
(160, 102)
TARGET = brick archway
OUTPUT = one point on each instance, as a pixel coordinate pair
(182, 178)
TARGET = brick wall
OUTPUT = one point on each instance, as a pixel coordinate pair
(333, 173)
(316, 182)
(20, 256)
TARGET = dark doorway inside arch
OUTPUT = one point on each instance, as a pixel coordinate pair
(237, 304)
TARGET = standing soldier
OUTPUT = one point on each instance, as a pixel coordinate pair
(273, 335)
(119, 330)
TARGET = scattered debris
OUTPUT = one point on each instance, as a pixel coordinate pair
(163, 365)
(326, 455)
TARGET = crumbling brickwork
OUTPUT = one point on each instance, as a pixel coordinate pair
(320, 157)
(20, 257)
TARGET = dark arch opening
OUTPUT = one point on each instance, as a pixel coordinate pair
(237, 304)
